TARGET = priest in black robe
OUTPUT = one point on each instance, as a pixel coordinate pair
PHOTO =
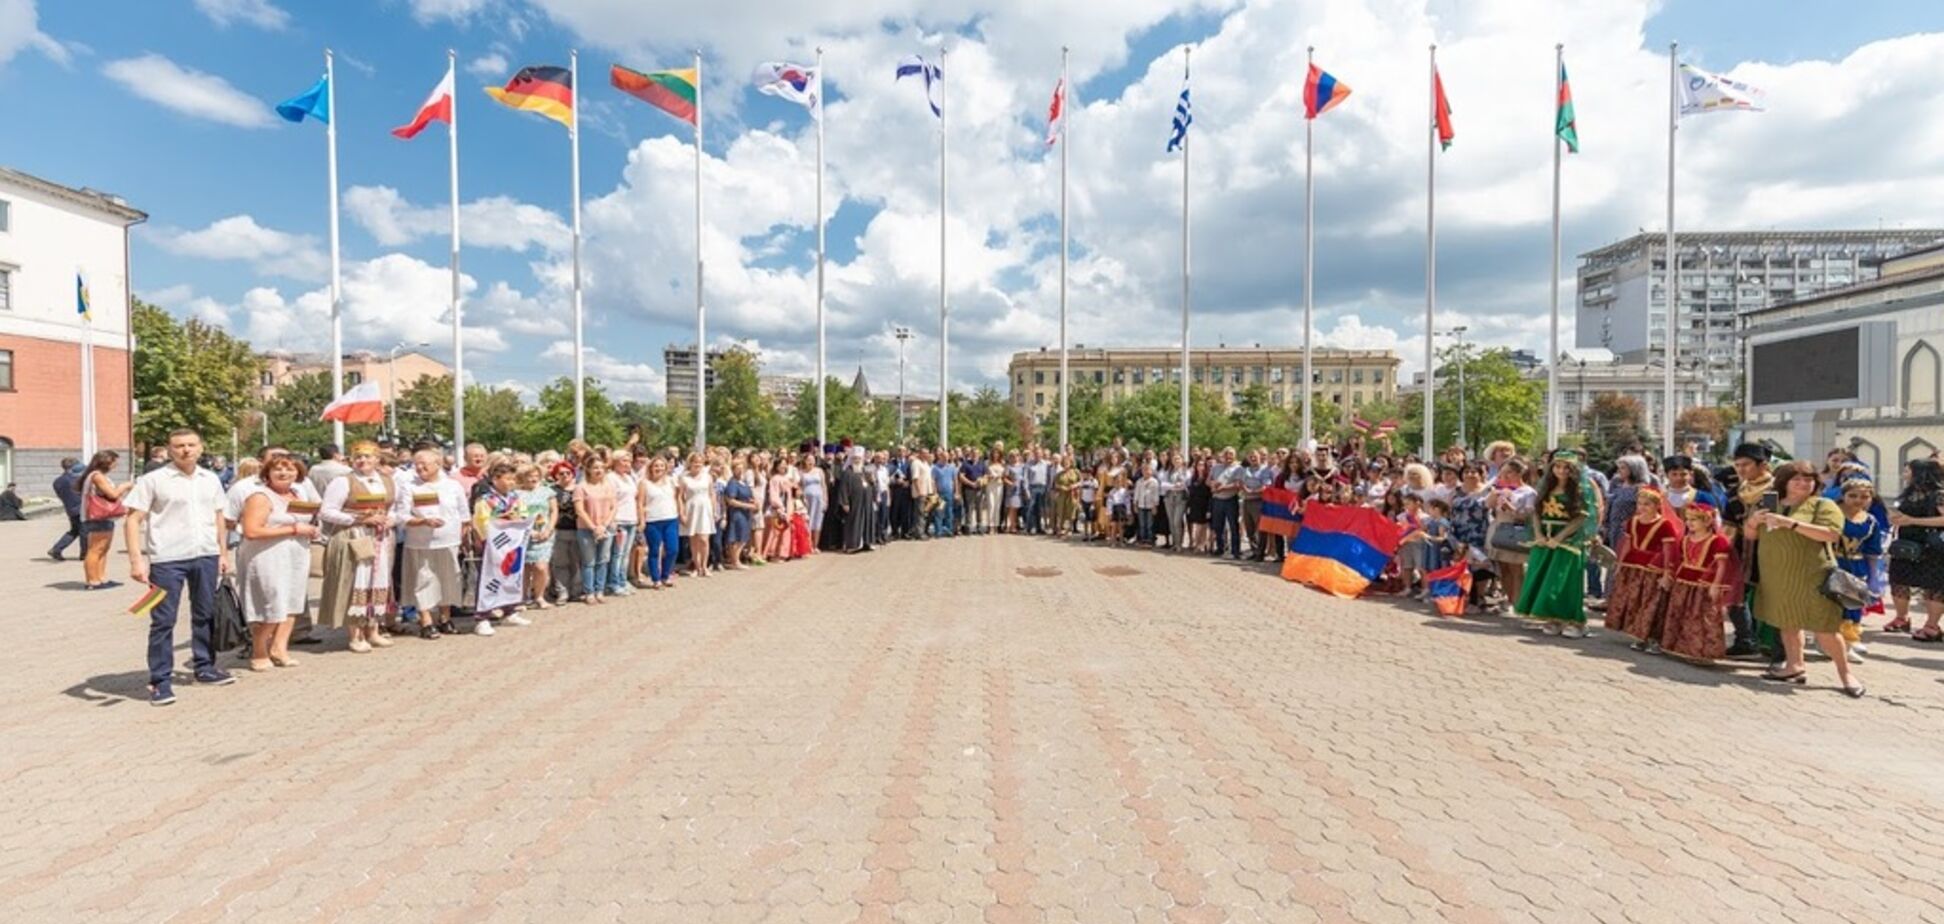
(857, 498)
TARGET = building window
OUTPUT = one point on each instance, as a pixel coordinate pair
(1039, 377)
(1235, 375)
(6, 289)
(1120, 374)
(1377, 377)
(6, 216)
(266, 379)
(1336, 377)
(1140, 376)
(1100, 377)
(1255, 375)
(6, 370)
(1357, 377)
(1276, 375)
(1921, 386)
(1039, 399)
(353, 379)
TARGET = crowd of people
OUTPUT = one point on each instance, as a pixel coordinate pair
(1745, 561)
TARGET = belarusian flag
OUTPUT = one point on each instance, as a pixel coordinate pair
(1565, 124)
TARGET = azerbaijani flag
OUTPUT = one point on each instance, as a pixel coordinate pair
(672, 92)
(546, 90)
(1442, 108)
(1321, 92)
(148, 601)
(1278, 512)
(1448, 587)
(1341, 549)
(1565, 121)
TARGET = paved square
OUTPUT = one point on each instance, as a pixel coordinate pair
(948, 732)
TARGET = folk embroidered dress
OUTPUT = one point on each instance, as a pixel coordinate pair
(1862, 541)
(1634, 602)
(1555, 580)
(1691, 619)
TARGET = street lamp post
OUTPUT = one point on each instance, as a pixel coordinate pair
(391, 369)
(1458, 332)
(903, 334)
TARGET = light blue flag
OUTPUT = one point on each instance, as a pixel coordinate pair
(314, 102)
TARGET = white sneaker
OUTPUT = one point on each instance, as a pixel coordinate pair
(517, 620)
(1573, 631)
(482, 627)
(1550, 628)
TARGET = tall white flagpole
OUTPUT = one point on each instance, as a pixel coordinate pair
(1066, 96)
(1187, 55)
(337, 282)
(89, 434)
(1431, 264)
(701, 322)
(944, 322)
(1309, 264)
(1673, 351)
(822, 436)
(458, 320)
(1552, 360)
(573, 140)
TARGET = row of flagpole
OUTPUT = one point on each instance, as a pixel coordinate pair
(540, 89)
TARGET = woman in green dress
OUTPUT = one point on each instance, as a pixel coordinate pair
(1792, 558)
(1554, 591)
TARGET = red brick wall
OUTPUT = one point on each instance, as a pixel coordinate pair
(44, 409)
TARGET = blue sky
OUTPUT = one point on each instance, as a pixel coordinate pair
(190, 169)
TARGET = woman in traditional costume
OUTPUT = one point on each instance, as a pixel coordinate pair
(1649, 547)
(1554, 591)
(357, 519)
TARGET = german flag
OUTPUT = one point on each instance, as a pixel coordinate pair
(671, 91)
(546, 90)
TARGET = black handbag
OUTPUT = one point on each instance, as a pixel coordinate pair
(1906, 550)
(230, 631)
(1510, 537)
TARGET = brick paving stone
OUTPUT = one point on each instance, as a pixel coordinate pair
(923, 734)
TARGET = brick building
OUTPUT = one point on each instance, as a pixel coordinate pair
(49, 235)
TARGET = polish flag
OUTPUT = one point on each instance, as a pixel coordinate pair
(361, 405)
(1056, 114)
(437, 108)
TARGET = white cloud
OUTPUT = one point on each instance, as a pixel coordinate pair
(20, 30)
(497, 221)
(489, 66)
(621, 379)
(429, 10)
(239, 237)
(259, 13)
(190, 92)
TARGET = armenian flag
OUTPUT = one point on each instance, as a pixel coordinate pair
(1341, 549)
(1321, 92)
(1448, 587)
(148, 601)
(1278, 515)
(546, 90)
(672, 92)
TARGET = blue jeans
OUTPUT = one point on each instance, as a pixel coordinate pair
(200, 575)
(595, 551)
(1594, 586)
(1226, 513)
(942, 520)
(661, 538)
(1036, 509)
(1146, 517)
(617, 570)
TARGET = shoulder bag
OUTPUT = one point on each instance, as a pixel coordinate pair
(96, 507)
(1847, 590)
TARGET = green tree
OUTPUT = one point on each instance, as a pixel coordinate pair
(293, 416)
(739, 413)
(1501, 403)
(1260, 422)
(982, 419)
(1612, 421)
(661, 426)
(873, 423)
(1151, 418)
(188, 374)
(1091, 418)
(551, 425)
(494, 417)
(425, 410)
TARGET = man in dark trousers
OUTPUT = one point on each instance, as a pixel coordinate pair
(67, 487)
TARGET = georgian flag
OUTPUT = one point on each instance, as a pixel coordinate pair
(1056, 114)
(437, 108)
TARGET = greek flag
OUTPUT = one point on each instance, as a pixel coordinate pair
(912, 65)
(1183, 117)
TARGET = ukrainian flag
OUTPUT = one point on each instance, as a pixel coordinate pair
(81, 306)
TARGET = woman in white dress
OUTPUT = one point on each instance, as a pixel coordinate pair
(274, 561)
(697, 489)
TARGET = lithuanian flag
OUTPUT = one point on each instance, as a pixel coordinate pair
(672, 92)
(148, 601)
(546, 90)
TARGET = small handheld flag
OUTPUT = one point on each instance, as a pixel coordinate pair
(1442, 109)
(1322, 92)
(913, 65)
(1184, 116)
(81, 305)
(1565, 121)
(672, 92)
(436, 108)
(546, 90)
(1449, 587)
(1702, 91)
(794, 82)
(147, 601)
(314, 102)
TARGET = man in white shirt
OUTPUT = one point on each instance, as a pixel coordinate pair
(433, 511)
(174, 536)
